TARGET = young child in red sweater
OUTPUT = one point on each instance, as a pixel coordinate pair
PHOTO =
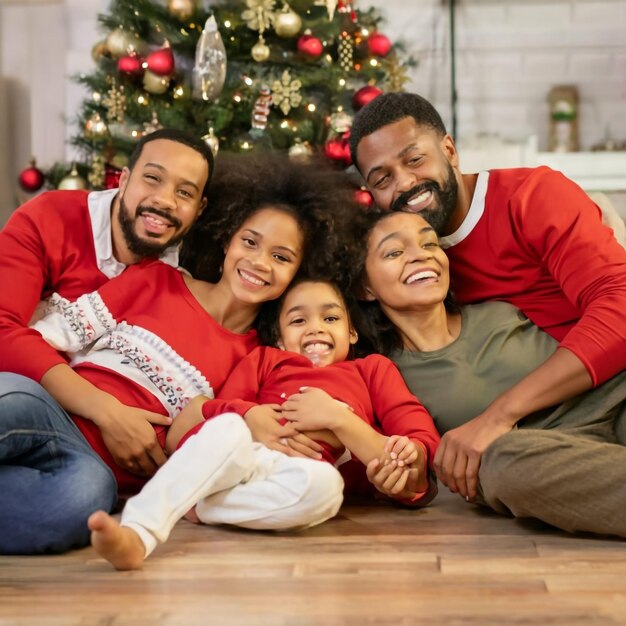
(361, 406)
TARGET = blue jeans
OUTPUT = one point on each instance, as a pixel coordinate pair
(51, 480)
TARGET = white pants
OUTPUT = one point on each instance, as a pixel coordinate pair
(233, 480)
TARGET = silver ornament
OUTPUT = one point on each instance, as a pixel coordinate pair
(209, 71)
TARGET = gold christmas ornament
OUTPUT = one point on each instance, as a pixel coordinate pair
(287, 22)
(260, 51)
(300, 150)
(152, 125)
(396, 75)
(155, 84)
(96, 174)
(181, 9)
(95, 127)
(212, 141)
(346, 51)
(100, 51)
(286, 93)
(259, 14)
(119, 160)
(121, 42)
(73, 180)
(115, 102)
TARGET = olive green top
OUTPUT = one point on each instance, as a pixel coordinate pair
(496, 348)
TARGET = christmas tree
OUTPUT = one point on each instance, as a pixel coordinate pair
(243, 75)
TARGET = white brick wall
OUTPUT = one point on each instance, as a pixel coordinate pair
(510, 53)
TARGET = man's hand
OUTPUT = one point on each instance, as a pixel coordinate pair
(130, 438)
(457, 460)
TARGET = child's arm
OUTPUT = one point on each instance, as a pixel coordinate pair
(189, 417)
(313, 409)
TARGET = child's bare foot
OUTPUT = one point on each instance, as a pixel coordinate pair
(192, 516)
(119, 545)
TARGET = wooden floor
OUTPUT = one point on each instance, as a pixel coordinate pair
(451, 564)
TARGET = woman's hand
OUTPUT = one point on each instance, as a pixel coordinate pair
(129, 435)
(312, 409)
(457, 460)
(263, 421)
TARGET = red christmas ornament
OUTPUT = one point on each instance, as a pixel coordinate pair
(130, 64)
(112, 177)
(310, 45)
(378, 45)
(32, 178)
(364, 95)
(161, 62)
(333, 149)
(363, 197)
(338, 149)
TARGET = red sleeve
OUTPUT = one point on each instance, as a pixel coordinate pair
(240, 391)
(564, 228)
(23, 275)
(397, 410)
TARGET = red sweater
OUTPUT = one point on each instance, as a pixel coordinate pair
(152, 296)
(45, 247)
(536, 240)
(372, 387)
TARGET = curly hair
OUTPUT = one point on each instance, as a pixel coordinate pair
(389, 108)
(317, 196)
(377, 334)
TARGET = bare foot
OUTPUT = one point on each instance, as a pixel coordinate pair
(119, 545)
(192, 516)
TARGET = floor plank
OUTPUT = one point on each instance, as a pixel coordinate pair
(452, 564)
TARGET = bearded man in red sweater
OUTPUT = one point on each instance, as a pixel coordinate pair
(71, 243)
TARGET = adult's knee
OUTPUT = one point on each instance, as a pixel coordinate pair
(515, 465)
(51, 516)
(11, 384)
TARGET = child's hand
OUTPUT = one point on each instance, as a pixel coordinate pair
(389, 478)
(401, 449)
(401, 473)
(312, 409)
(264, 424)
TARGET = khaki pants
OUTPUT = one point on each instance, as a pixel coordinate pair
(566, 467)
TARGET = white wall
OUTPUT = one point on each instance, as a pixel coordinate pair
(510, 53)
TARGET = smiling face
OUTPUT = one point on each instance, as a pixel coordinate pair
(263, 256)
(409, 167)
(159, 199)
(406, 270)
(314, 322)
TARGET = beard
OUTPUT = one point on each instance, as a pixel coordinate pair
(445, 196)
(144, 247)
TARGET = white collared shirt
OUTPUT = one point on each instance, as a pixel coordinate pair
(99, 203)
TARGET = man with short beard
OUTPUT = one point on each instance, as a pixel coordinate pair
(528, 236)
(71, 243)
